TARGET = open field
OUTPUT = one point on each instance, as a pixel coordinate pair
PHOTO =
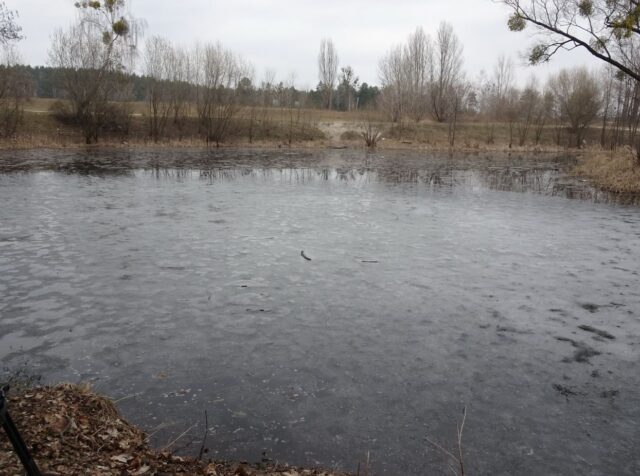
(310, 127)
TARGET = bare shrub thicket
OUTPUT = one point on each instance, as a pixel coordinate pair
(578, 100)
(371, 131)
(16, 87)
(218, 72)
(157, 67)
(91, 57)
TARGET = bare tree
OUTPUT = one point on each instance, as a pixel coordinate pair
(607, 81)
(607, 29)
(16, 87)
(510, 110)
(500, 96)
(446, 72)
(217, 76)
(90, 56)
(456, 97)
(392, 73)
(578, 96)
(157, 63)
(503, 79)
(250, 100)
(180, 71)
(625, 110)
(418, 58)
(290, 101)
(328, 69)
(348, 83)
(528, 106)
(544, 113)
(9, 29)
(266, 99)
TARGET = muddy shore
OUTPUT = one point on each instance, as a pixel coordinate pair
(71, 430)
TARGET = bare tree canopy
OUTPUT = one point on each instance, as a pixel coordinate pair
(393, 80)
(348, 83)
(405, 74)
(579, 99)
(447, 71)
(218, 72)
(9, 29)
(418, 54)
(608, 29)
(90, 54)
(328, 68)
(424, 76)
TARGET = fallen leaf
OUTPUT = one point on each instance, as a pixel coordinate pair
(143, 469)
(121, 458)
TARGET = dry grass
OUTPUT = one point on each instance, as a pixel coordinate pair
(312, 128)
(41, 129)
(457, 456)
(617, 171)
(43, 106)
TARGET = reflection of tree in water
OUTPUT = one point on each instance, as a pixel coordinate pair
(436, 176)
(547, 181)
(536, 174)
(519, 179)
(294, 176)
(100, 168)
(178, 175)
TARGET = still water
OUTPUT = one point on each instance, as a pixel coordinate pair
(174, 281)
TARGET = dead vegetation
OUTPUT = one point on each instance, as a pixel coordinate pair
(43, 128)
(371, 132)
(617, 171)
(269, 127)
(71, 430)
(456, 457)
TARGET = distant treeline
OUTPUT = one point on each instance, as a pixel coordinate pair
(44, 85)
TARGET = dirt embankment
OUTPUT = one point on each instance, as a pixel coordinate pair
(71, 430)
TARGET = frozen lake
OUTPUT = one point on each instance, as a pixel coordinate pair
(175, 279)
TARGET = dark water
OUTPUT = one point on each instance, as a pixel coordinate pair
(175, 279)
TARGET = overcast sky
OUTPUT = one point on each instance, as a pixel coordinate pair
(284, 35)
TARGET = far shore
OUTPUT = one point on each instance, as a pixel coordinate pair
(613, 171)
